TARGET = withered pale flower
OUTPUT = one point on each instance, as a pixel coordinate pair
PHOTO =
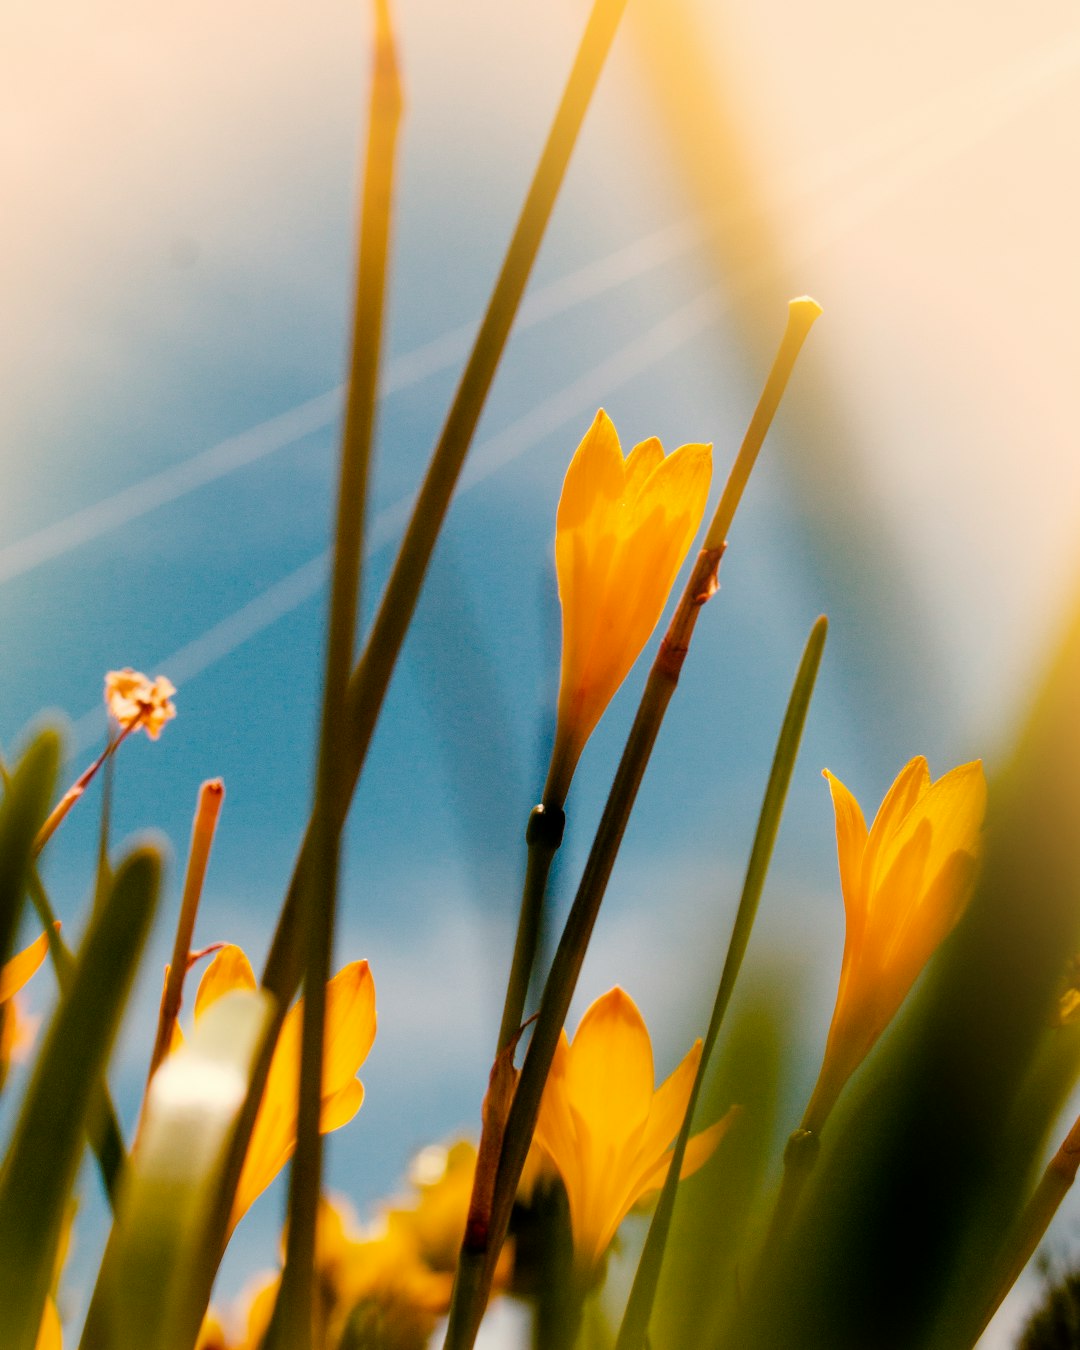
(604, 1126)
(350, 1032)
(623, 528)
(130, 696)
(905, 881)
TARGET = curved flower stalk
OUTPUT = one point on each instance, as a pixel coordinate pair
(606, 1129)
(350, 1032)
(134, 702)
(905, 881)
(622, 531)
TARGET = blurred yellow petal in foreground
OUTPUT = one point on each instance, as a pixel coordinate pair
(350, 1031)
(905, 884)
(605, 1127)
(15, 1029)
(623, 528)
(50, 1335)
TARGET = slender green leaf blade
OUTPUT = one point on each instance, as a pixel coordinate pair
(27, 793)
(40, 1167)
(635, 1322)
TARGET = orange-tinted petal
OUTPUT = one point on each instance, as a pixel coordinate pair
(908, 786)
(15, 973)
(669, 1103)
(230, 969)
(609, 1070)
(50, 1333)
(699, 1149)
(340, 1107)
(640, 463)
(851, 835)
(595, 480)
(350, 1025)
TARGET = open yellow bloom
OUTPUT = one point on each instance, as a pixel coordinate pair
(350, 1031)
(622, 531)
(604, 1126)
(905, 882)
(129, 694)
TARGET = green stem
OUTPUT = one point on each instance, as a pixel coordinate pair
(800, 1155)
(483, 1241)
(294, 1314)
(635, 1323)
(543, 837)
(371, 678)
(1030, 1229)
(103, 1126)
(211, 796)
(802, 314)
(102, 1123)
(478, 1255)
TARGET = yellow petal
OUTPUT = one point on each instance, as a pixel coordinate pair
(640, 463)
(339, 1108)
(350, 1025)
(909, 785)
(952, 809)
(350, 1031)
(928, 923)
(555, 1132)
(851, 838)
(699, 1149)
(669, 1104)
(50, 1333)
(676, 492)
(261, 1309)
(19, 969)
(211, 1334)
(622, 532)
(595, 480)
(230, 969)
(609, 1070)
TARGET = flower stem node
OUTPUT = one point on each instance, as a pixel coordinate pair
(545, 827)
(802, 1149)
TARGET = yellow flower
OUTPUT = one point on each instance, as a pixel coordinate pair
(443, 1178)
(15, 1029)
(905, 883)
(129, 696)
(211, 1334)
(622, 531)
(604, 1126)
(350, 1031)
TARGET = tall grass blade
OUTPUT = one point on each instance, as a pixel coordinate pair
(40, 1166)
(635, 1323)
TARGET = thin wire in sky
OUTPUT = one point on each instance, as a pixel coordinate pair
(247, 447)
(927, 148)
(515, 440)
